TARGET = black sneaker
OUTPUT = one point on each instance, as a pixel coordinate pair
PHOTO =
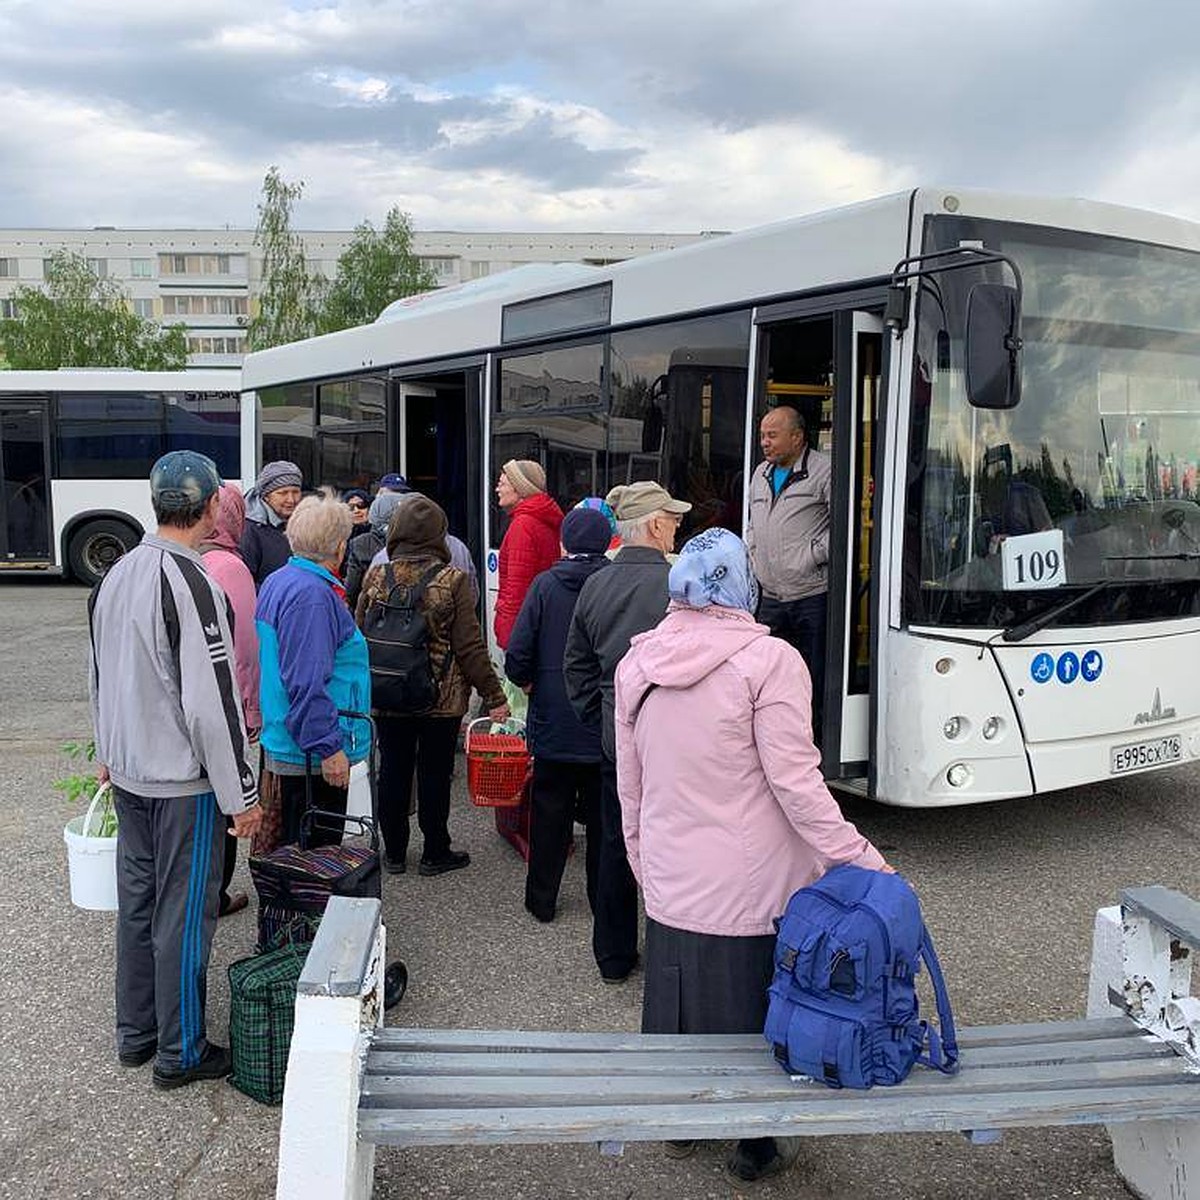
(137, 1058)
(615, 977)
(757, 1159)
(452, 860)
(216, 1063)
(680, 1149)
(395, 866)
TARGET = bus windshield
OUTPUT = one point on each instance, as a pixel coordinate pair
(1094, 478)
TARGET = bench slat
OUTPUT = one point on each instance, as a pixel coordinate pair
(833, 1113)
(472, 1091)
(487, 1041)
(722, 1062)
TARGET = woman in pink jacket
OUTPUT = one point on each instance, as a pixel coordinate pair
(724, 808)
(223, 561)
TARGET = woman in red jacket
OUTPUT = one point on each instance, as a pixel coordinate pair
(531, 543)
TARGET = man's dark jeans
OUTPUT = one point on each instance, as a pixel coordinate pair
(802, 623)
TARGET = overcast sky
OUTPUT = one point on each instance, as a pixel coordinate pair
(656, 115)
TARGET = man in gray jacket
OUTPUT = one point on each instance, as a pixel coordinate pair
(613, 606)
(787, 533)
(172, 741)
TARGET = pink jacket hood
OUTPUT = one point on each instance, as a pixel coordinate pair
(690, 644)
(231, 519)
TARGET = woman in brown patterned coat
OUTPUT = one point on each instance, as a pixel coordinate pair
(416, 542)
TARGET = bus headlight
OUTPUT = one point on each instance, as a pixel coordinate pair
(991, 728)
(959, 775)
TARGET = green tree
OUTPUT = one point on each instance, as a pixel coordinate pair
(378, 266)
(81, 320)
(289, 297)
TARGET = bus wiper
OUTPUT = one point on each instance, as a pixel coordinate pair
(1181, 556)
(1018, 633)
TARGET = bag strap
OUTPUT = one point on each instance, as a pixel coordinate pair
(416, 590)
(943, 1048)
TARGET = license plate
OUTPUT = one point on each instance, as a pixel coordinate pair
(1138, 756)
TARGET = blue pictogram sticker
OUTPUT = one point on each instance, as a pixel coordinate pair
(1091, 665)
(1068, 667)
(1042, 667)
(493, 560)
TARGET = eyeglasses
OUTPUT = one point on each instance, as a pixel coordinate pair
(355, 506)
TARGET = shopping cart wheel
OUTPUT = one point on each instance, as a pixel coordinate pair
(395, 984)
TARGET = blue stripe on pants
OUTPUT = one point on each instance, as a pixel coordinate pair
(193, 930)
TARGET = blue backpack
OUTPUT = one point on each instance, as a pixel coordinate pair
(843, 1002)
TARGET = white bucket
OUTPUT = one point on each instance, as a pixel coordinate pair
(91, 862)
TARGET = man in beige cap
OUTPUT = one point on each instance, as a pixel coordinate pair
(614, 605)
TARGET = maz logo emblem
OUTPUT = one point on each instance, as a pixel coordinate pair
(1156, 713)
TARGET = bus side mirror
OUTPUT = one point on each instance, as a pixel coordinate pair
(993, 346)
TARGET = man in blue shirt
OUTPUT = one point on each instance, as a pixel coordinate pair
(787, 532)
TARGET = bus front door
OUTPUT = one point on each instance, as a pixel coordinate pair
(860, 349)
(24, 484)
(827, 362)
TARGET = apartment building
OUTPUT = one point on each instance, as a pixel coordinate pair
(208, 279)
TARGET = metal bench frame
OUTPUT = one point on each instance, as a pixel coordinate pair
(353, 1085)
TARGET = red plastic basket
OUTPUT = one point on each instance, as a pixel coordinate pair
(498, 767)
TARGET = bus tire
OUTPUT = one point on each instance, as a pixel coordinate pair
(95, 546)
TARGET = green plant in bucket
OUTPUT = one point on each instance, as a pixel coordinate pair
(82, 785)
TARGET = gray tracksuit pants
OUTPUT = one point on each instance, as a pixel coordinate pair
(169, 858)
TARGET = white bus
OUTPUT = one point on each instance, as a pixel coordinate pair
(76, 448)
(1008, 388)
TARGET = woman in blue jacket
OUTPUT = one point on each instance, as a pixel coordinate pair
(314, 663)
(566, 753)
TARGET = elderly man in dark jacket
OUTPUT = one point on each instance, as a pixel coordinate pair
(269, 503)
(566, 753)
(613, 607)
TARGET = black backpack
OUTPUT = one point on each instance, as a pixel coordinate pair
(403, 677)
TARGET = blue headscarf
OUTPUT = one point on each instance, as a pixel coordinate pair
(714, 568)
(601, 506)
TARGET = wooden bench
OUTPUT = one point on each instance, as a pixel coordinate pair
(414, 1087)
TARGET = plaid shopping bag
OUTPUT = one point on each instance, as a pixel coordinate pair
(293, 883)
(262, 1014)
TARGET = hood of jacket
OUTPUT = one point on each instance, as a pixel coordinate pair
(417, 527)
(259, 511)
(690, 643)
(231, 520)
(540, 507)
(573, 573)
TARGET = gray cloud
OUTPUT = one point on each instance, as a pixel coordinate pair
(538, 152)
(570, 98)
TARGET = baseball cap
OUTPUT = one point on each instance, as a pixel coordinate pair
(630, 501)
(394, 482)
(183, 478)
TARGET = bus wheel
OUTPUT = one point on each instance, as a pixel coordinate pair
(94, 548)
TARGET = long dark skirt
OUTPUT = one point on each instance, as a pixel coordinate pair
(704, 983)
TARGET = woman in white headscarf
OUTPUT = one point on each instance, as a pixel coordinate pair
(724, 808)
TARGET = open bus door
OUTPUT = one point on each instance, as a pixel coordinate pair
(852, 595)
(25, 539)
(828, 363)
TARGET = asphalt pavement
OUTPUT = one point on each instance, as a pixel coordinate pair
(1009, 892)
